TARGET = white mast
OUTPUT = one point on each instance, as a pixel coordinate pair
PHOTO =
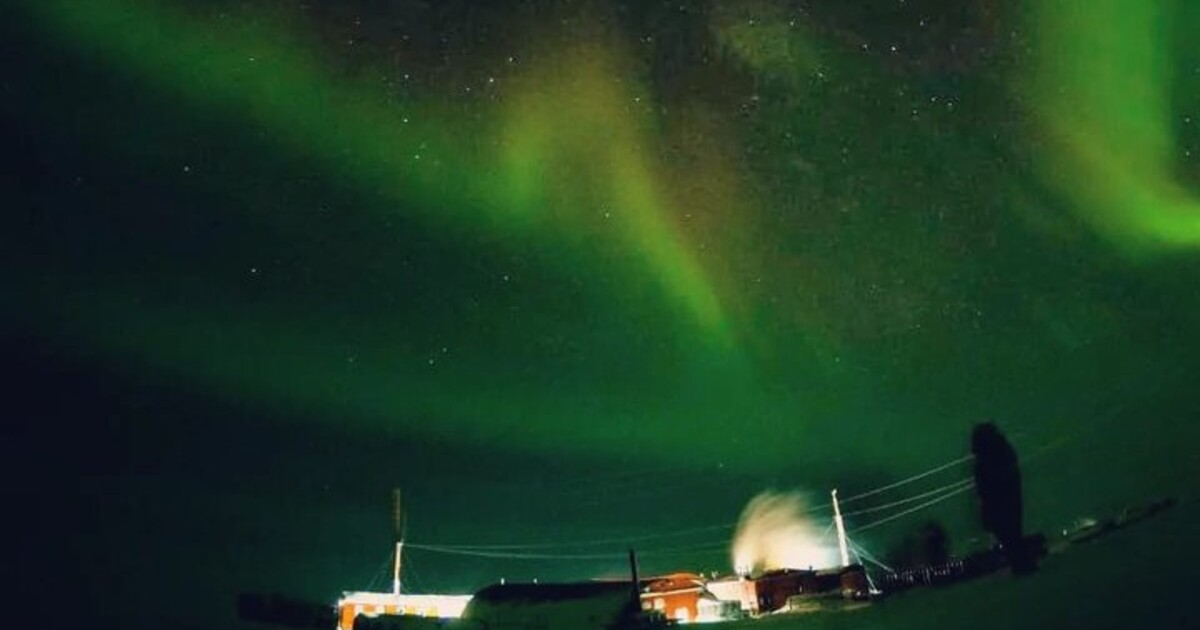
(398, 525)
(396, 567)
(841, 530)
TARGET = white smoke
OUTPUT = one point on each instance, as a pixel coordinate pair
(774, 532)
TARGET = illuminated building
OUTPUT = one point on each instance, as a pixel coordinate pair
(366, 604)
(683, 598)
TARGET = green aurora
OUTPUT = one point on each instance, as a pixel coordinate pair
(674, 225)
(1103, 79)
(781, 243)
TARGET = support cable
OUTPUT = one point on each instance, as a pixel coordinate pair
(863, 554)
(908, 480)
(583, 544)
(916, 497)
(916, 508)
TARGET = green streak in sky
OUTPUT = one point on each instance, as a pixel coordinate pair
(762, 35)
(241, 64)
(444, 168)
(578, 150)
(1102, 84)
(842, 253)
(565, 161)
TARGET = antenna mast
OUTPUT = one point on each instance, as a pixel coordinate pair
(398, 535)
(841, 530)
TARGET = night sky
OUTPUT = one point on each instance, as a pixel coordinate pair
(574, 271)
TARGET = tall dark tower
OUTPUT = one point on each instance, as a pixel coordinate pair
(998, 482)
(635, 580)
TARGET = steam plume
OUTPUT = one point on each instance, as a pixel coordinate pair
(775, 533)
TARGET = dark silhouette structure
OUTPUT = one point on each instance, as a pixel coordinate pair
(930, 545)
(951, 571)
(998, 482)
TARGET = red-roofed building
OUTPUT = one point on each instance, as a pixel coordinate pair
(682, 597)
(676, 595)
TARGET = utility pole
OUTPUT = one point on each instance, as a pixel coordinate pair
(398, 534)
(841, 530)
(635, 580)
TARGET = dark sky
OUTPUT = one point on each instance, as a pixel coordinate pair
(574, 271)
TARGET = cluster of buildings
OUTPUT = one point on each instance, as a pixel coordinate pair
(792, 589)
(676, 598)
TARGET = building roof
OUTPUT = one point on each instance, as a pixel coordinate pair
(403, 599)
(673, 582)
(822, 572)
